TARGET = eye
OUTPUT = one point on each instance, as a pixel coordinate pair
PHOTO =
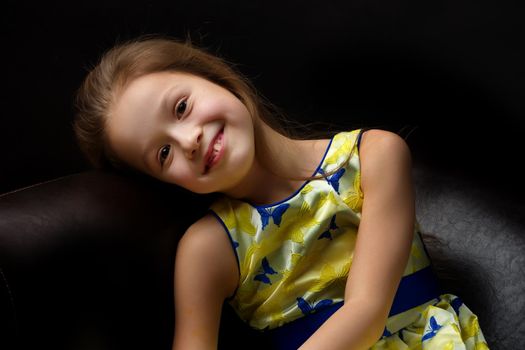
(181, 108)
(164, 153)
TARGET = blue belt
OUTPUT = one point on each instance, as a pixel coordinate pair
(414, 290)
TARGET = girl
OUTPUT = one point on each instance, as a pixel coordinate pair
(314, 241)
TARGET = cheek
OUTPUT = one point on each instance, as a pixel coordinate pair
(183, 177)
(178, 174)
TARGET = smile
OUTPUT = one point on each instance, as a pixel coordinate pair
(215, 151)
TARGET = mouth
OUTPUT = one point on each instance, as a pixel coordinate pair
(215, 151)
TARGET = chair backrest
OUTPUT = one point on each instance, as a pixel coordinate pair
(86, 260)
(87, 263)
(480, 255)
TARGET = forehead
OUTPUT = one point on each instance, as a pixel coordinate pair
(148, 85)
(148, 89)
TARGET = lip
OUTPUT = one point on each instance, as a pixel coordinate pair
(207, 164)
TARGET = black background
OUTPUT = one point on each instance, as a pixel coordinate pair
(449, 74)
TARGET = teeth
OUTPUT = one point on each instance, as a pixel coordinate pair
(216, 148)
(218, 143)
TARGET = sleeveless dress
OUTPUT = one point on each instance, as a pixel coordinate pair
(294, 257)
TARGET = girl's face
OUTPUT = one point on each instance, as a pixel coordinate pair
(184, 130)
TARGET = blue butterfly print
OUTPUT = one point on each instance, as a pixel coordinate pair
(307, 309)
(276, 214)
(327, 234)
(456, 304)
(267, 269)
(334, 179)
(434, 328)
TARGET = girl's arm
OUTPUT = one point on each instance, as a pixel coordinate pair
(206, 273)
(382, 247)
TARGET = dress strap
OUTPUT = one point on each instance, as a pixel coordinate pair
(361, 132)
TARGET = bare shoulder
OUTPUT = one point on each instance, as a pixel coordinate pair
(383, 152)
(204, 233)
(379, 144)
(382, 139)
(204, 227)
(206, 249)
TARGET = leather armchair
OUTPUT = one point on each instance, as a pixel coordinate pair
(87, 261)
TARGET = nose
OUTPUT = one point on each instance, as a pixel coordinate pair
(190, 142)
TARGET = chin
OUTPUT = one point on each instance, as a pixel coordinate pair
(201, 191)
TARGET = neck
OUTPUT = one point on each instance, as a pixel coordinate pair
(279, 167)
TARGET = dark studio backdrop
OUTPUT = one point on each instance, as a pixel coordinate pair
(448, 74)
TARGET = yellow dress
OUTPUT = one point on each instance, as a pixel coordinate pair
(294, 257)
